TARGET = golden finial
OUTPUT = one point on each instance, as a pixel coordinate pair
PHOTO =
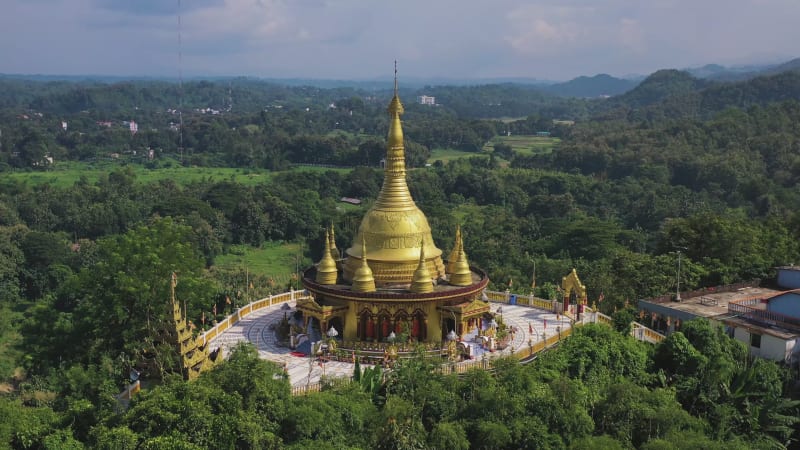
(363, 280)
(326, 270)
(457, 246)
(461, 275)
(173, 283)
(422, 282)
(394, 192)
(334, 251)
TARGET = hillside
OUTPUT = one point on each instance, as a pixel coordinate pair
(658, 87)
(596, 86)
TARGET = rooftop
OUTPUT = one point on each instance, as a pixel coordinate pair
(711, 303)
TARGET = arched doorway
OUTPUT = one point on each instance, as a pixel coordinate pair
(448, 325)
(402, 322)
(419, 327)
(366, 326)
(384, 325)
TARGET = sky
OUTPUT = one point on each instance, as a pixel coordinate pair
(360, 39)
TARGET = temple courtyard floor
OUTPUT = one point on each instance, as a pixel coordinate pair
(531, 325)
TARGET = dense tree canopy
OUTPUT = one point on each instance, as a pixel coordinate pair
(676, 168)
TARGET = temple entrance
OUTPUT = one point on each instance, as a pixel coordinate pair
(402, 323)
(447, 326)
(366, 326)
(419, 329)
(574, 291)
(384, 325)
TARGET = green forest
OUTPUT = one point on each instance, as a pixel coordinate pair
(95, 217)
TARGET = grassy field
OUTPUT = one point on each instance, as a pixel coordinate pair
(66, 174)
(272, 259)
(524, 144)
(449, 154)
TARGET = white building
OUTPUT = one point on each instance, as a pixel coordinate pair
(766, 320)
(426, 100)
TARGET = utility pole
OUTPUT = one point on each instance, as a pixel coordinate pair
(678, 288)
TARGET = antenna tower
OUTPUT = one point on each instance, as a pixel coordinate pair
(230, 96)
(180, 84)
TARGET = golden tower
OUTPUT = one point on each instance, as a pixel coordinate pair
(363, 280)
(392, 276)
(461, 275)
(335, 251)
(394, 228)
(195, 357)
(326, 271)
(422, 282)
(458, 245)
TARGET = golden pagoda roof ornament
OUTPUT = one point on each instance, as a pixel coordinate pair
(334, 251)
(458, 245)
(461, 274)
(422, 282)
(363, 280)
(394, 192)
(326, 270)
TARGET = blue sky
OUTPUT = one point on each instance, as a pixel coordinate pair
(359, 39)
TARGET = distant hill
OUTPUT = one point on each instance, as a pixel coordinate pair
(721, 73)
(708, 71)
(597, 86)
(658, 87)
(756, 91)
(670, 94)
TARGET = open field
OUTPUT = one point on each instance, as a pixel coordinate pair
(66, 174)
(273, 259)
(525, 144)
(449, 154)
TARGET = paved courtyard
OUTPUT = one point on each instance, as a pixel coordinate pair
(531, 325)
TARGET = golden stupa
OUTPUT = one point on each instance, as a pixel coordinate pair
(392, 280)
(394, 229)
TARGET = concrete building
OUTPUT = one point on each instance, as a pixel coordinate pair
(789, 277)
(426, 100)
(766, 320)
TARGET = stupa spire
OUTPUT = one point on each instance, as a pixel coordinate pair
(334, 251)
(363, 280)
(394, 193)
(326, 270)
(461, 275)
(422, 282)
(457, 246)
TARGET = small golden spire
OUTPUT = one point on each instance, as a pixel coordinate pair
(326, 270)
(461, 275)
(422, 282)
(363, 280)
(335, 251)
(457, 246)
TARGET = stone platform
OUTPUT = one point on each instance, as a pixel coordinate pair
(532, 325)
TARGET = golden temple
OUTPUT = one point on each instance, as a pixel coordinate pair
(392, 280)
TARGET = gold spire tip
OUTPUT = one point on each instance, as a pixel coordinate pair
(395, 78)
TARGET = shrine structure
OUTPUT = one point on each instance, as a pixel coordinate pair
(392, 282)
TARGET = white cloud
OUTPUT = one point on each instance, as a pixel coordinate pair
(632, 35)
